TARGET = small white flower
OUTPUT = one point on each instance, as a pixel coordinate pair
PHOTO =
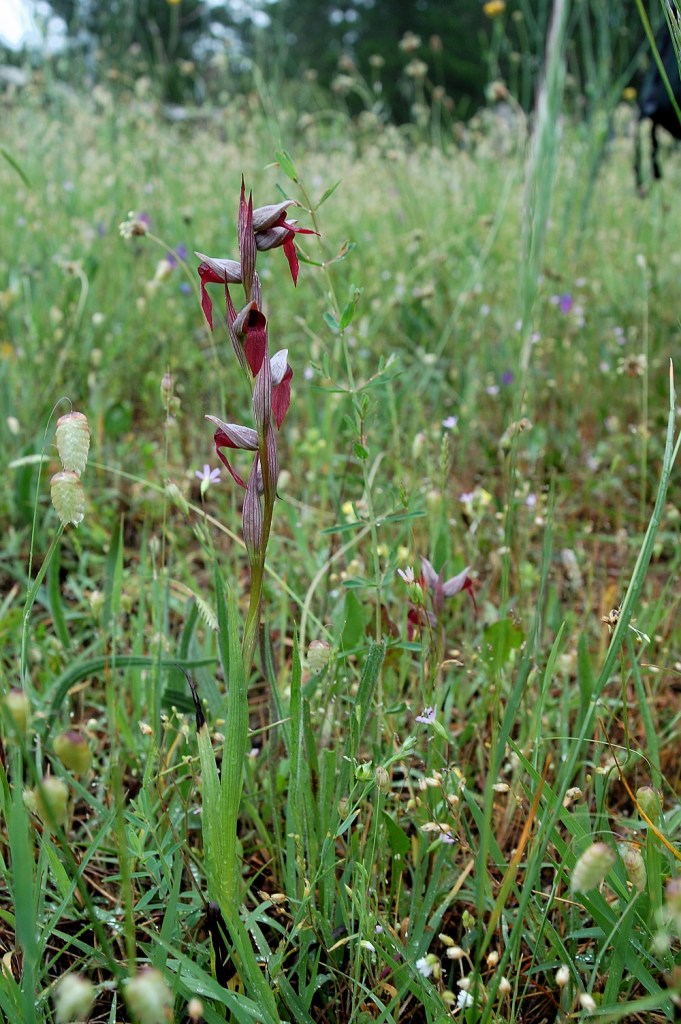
(464, 999)
(427, 965)
(423, 967)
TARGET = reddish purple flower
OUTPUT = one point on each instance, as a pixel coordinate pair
(281, 385)
(252, 324)
(212, 271)
(440, 588)
(273, 230)
(233, 435)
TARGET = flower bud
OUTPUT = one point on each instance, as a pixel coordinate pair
(649, 802)
(50, 801)
(73, 998)
(634, 865)
(18, 708)
(562, 976)
(318, 654)
(73, 751)
(592, 867)
(382, 779)
(149, 999)
(73, 441)
(68, 497)
(363, 771)
(167, 389)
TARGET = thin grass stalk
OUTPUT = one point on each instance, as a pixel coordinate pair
(541, 173)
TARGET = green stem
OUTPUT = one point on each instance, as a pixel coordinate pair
(30, 599)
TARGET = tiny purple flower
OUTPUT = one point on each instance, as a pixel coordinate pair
(407, 574)
(186, 288)
(565, 303)
(507, 378)
(207, 476)
(450, 422)
(181, 251)
(427, 716)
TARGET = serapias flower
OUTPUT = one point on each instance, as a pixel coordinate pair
(235, 436)
(440, 588)
(282, 374)
(212, 271)
(272, 230)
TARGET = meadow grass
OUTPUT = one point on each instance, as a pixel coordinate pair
(416, 793)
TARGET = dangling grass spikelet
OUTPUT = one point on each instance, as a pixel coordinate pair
(68, 497)
(73, 441)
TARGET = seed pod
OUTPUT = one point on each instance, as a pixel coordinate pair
(73, 751)
(592, 867)
(73, 441)
(68, 497)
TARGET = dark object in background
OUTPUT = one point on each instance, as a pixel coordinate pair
(654, 102)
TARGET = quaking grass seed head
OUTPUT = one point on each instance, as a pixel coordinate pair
(592, 867)
(68, 497)
(74, 997)
(73, 441)
(18, 707)
(49, 801)
(148, 997)
(73, 751)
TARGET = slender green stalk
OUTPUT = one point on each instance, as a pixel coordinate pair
(31, 595)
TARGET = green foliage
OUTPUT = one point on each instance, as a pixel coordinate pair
(424, 778)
